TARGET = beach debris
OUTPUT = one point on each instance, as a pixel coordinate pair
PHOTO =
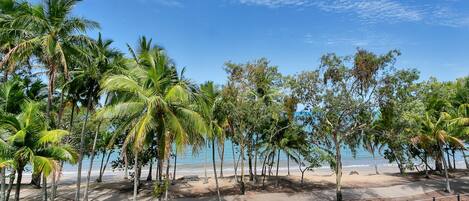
(190, 178)
(353, 172)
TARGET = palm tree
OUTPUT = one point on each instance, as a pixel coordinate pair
(433, 132)
(30, 142)
(215, 120)
(50, 33)
(460, 126)
(159, 104)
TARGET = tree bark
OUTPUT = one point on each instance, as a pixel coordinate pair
(465, 158)
(90, 167)
(215, 169)
(135, 177)
(374, 161)
(100, 178)
(278, 163)
(167, 179)
(449, 159)
(234, 161)
(175, 163)
(18, 183)
(10, 184)
(149, 178)
(101, 166)
(44, 187)
(126, 167)
(288, 164)
(222, 157)
(242, 168)
(338, 169)
(82, 147)
(251, 173)
(454, 161)
(448, 188)
(255, 157)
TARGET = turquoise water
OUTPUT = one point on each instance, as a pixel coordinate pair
(190, 162)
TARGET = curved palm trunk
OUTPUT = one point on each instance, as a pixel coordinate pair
(103, 156)
(215, 169)
(90, 167)
(82, 147)
(100, 178)
(448, 188)
(136, 177)
(18, 183)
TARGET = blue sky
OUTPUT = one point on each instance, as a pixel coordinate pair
(202, 35)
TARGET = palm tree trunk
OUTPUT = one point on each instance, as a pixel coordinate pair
(150, 170)
(167, 179)
(82, 150)
(256, 152)
(10, 184)
(426, 166)
(136, 177)
(53, 193)
(174, 168)
(101, 166)
(448, 188)
(465, 158)
(454, 161)
(100, 178)
(288, 164)
(215, 169)
(44, 187)
(2, 188)
(205, 166)
(449, 159)
(90, 167)
(126, 167)
(18, 183)
(251, 173)
(222, 157)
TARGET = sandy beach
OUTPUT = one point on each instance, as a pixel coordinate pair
(318, 185)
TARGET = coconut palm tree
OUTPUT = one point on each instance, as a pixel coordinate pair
(159, 104)
(30, 142)
(50, 32)
(434, 134)
(216, 121)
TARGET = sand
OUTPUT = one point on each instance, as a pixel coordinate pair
(318, 185)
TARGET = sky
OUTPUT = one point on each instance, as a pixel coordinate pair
(201, 35)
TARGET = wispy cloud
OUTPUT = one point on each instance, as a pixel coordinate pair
(378, 11)
(365, 38)
(168, 3)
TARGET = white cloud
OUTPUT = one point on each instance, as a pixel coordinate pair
(378, 11)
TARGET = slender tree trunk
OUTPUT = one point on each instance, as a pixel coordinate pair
(215, 170)
(2, 188)
(242, 167)
(82, 150)
(126, 167)
(100, 178)
(167, 179)
(90, 167)
(448, 188)
(149, 170)
(10, 184)
(18, 183)
(449, 159)
(44, 187)
(338, 169)
(135, 177)
(251, 173)
(222, 157)
(235, 167)
(374, 161)
(465, 158)
(255, 157)
(54, 183)
(426, 166)
(278, 163)
(175, 163)
(103, 156)
(205, 166)
(454, 161)
(288, 164)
